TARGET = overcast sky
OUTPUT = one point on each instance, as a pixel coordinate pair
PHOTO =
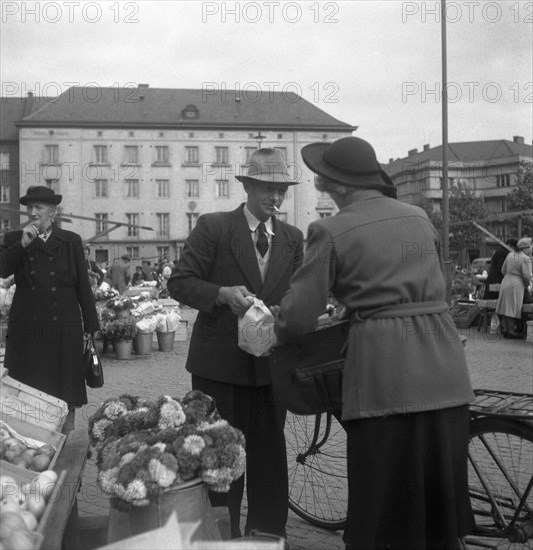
(373, 64)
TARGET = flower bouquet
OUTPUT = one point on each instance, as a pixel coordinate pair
(120, 303)
(118, 330)
(105, 292)
(147, 447)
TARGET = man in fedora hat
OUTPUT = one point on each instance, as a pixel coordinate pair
(44, 347)
(406, 386)
(228, 258)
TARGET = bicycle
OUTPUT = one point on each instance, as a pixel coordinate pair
(500, 469)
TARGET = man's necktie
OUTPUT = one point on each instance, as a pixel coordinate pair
(262, 239)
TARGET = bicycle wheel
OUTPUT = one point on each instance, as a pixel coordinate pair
(316, 455)
(500, 479)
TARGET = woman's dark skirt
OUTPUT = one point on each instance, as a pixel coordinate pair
(408, 481)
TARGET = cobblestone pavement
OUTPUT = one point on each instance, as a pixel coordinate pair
(494, 364)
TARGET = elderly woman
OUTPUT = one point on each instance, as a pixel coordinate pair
(517, 274)
(406, 386)
(44, 346)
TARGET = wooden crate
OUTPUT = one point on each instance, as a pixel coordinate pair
(37, 432)
(31, 405)
(20, 475)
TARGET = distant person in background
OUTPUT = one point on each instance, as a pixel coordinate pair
(138, 276)
(119, 273)
(95, 273)
(518, 275)
(495, 275)
(53, 304)
(147, 270)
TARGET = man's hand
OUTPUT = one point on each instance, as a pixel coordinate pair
(28, 234)
(237, 298)
(275, 312)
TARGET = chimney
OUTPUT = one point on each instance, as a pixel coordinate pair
(426, 147)
(412, 152)
(518, 139)
(28, 105)
(143, 86)
(391, 160)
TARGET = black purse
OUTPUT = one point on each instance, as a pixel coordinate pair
(307, 374)
(94, 374)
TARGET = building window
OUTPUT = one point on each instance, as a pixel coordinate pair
(100, 189)
(282, 216)
(132, 189)
(4, 160)
(503, 180)
(53, 184)
(280, 136)
(191, 135)
(101, 222)
(324, 214)
(133, 221)
(161, 154)
(163, 189)
(131, 154)
(133, 252)
(4, 193)
(221, 135)
(191, 155)
(249, 151)
(51, 154)
(192, 218)
(222, 156)
(222, 191)
(5, 225)
(162, 252)
(163, 225)
(193, 188)
(100, 154)
(283, 151)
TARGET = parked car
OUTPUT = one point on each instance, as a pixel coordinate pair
(479, 265)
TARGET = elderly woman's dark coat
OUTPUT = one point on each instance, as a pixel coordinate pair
(44, 345)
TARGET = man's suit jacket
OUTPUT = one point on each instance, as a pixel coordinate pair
(220, 252)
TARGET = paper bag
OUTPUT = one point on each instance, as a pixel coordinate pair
(256, 330)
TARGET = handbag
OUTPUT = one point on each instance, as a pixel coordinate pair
(92, 365)
(307, 374)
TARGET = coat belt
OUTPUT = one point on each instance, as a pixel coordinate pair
(399, 310)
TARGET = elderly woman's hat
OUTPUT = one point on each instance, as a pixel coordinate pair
(267, 166)
(523, 243)
(350, 161)
(42, 194)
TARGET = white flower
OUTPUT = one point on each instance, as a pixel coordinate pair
(135, 490)
(203, 426)
(108, 479)
(162, 475)
(128, 457)
(99, 427)
(194, 444)
(171, 415)
(115, 409)
(161, 446)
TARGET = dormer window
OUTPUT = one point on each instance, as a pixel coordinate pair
(190, 112)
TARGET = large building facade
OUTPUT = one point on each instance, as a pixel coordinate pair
(156, 159)
(487, 167)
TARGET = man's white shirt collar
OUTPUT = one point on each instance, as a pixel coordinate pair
(253, 222)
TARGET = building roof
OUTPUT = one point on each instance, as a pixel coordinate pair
(13, 109)
(182, 108)
(465, 151)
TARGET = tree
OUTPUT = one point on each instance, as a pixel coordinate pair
(435, 216)
(521, 198)
(465, 207)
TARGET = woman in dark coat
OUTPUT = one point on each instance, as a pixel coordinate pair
(44, 345)
(495, 275)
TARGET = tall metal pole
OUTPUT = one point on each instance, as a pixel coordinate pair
(445, 190)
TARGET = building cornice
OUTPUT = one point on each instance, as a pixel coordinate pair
(185, 126)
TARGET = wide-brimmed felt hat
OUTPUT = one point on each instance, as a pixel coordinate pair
(267, 166)
(40, 193)
(523, 243)
(350, 161)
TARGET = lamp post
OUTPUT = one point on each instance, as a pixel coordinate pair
(445, 188)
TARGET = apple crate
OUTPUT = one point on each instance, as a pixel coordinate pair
(21, 475)
(37, 432)
(31, 405)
